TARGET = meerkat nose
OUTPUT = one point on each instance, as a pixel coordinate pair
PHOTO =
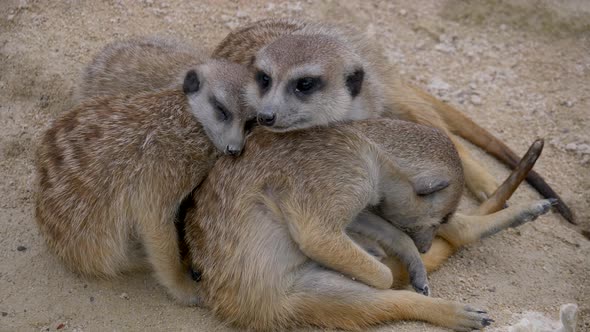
(232, 150)
(266, 118)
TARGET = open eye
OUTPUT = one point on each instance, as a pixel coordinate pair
(263, 80)
(307, 85)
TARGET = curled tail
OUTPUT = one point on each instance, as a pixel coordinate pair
(460, 125)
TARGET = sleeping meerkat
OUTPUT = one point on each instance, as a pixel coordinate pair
(146, 64)
(138, 65)
(302, 67)
(268, 232)
(113, 171)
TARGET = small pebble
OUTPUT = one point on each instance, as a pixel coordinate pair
(492, 289)
(567, 103)
(21, 248)
(92, 299)
(124, 296)
(403, 12)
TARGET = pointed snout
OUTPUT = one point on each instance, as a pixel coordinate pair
(267, 117)
(233, 150)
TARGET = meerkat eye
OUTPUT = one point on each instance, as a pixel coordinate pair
(307, 85)
(222, 113)
(263, 80)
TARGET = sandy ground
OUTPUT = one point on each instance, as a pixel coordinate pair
(521, 70)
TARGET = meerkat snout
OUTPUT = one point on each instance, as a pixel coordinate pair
(267, 117)
(233, 150)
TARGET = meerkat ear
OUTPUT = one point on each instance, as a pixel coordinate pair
(354, 82)
(191, 82)
(429, 184)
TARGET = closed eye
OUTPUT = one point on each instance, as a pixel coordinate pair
(221, 111)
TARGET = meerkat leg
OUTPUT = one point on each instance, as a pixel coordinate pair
(326, 299)
(160, 240)
(478, 180)
(463, 230)
(395, 242)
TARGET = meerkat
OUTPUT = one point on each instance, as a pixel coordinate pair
(267, 232)
(138, 65)
(302, 67)
(113, 171)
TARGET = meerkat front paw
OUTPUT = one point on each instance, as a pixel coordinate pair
(422, 289)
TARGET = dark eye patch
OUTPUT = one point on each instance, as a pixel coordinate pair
(305, 86)
(221, 111)
(354, 82)
(263, 80)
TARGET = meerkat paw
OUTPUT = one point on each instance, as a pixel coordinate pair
(419, 280)
(461, 317)
(533, 211)
(187, 292)
(423, 289)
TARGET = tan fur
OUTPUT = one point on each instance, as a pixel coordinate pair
(268, 230)
(138, 65)
(284, 48)
(113, 171)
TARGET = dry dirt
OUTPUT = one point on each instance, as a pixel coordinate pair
(520, 68)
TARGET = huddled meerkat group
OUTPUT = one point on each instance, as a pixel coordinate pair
(281, 162)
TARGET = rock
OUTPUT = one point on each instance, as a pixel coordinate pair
(537, 322)
(21, 248)
(4, 314)
(124, 296)
(403, 12)
(567, 103)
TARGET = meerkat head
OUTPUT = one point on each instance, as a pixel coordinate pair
(215, 96)
(303, 81)
(434, 200)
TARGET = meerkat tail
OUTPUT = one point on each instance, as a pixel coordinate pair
(463, 126)
(508, 187)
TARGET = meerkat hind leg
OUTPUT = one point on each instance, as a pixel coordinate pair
(477, 178)
(463, 229)
(326, 299)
